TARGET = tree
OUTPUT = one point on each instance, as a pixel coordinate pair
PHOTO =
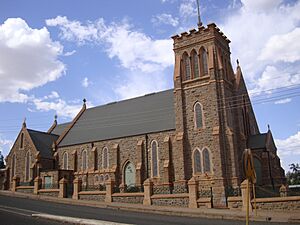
(293, 176)
(2, 165)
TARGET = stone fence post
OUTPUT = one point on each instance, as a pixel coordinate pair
(109, 190)
(77, 188)
(15, 183)
(283, 191)
(63, 188)
(148, 189)
(37, 183)
(193, 193)
(244, 194)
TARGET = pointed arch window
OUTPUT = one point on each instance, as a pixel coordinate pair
(206, 161)
(22, 141)
(65, 161)
(197, 162)
(13, 166)
(195, 60)
(105, 158)
(154, 159)
(27, 166)
(198, 115)
(84, 160)
(101, 179)
(204, 62)
(186, 66)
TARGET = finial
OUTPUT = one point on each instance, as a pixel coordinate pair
(24, 122)
(199, 18)
(268, 127)
(84, 101)
(237, 62)
(55, 117)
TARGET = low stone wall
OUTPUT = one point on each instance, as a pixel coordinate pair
(28, 190)
(235, 202)
(49, 192)
(175, 200)
(98, 196)
(278, 203)
(204, 203)
(134, 198)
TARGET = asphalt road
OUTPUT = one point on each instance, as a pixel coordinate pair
(14, 211)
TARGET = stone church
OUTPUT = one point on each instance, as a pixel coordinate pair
(199, 129)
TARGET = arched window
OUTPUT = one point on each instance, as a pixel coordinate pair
(65, 161)
(84, 160)
(195, 64)
(197, 162)
(106, 178)
(206, 161)
(13, 166)
(27, 166)
(186, 66)
(154, 159)
(101, 179)
(105, 158)
(198, 115)
(258, 169)
(96, 179)
(22, 141)
(204, 62)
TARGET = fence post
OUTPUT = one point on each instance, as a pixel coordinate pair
(62, 188)
(148, 189)
(244, 194)
(193, 193)
(283, 191)
(15, 183)
(37, 183)
(109, 190)
(77, 188)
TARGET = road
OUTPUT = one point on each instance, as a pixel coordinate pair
(14, 211)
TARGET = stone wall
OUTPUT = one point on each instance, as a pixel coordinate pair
(25, 190)
(128, 199)
(170, 200)
(279, 203)
(92, 197)
(49, 193)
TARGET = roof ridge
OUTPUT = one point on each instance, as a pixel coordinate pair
(42, 132)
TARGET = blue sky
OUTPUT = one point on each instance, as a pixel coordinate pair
(55, 53)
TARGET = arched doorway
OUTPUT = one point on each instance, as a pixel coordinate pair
(129, 174)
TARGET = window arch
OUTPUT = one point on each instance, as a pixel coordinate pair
(22, 141)
(84, 160)
(27, 166)
(198, 115)
(206, 161)
(204, 62)
(13, 166)
(197, 161)
(96, 179)
(154, 158)
(65, 161)
(105, 158)
(106, 177)
(195, 64)
(186, 66)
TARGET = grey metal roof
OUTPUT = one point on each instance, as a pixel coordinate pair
(43, 142)
(257, 141)
(60, 128)
(146, 114)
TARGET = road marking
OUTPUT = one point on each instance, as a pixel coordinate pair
(19, 209)
(76, 220)
(14, 212)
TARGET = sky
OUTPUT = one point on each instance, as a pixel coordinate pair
(54, 53)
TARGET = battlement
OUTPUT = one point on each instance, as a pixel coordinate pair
(210, 30)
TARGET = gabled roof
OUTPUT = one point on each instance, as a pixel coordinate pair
(43, 142)
(257, 141)
(146, 114)
(60, 128)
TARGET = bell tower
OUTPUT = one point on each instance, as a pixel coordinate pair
(203, 82)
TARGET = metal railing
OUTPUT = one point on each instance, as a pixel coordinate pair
(97, 187)
(50, 186)
(29, 183)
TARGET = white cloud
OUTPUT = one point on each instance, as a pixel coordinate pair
(85, 82)
(187, 9)
(165, 18)
(134, 49)
(28, 59)
(258, 30)
(70, 53)
(5, 145)
(285, 47)
(289, 146)
(283, 101)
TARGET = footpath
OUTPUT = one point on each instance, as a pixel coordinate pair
(262, 215)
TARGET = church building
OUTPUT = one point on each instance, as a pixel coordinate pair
(199, 129)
